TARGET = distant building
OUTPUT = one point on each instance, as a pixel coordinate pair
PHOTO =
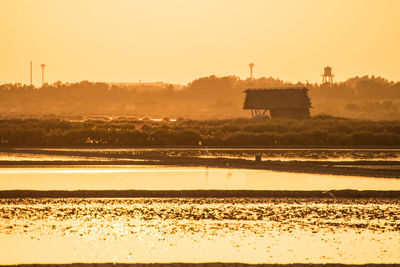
(281, 103)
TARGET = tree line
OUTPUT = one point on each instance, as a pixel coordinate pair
(206, 97)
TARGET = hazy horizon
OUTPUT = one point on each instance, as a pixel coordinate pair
(162, 84)
(178, 41)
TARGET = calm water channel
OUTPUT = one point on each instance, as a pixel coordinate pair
(179, 178)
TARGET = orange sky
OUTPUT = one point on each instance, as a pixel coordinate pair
(180, 40)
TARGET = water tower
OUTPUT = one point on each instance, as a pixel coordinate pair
(327, 77)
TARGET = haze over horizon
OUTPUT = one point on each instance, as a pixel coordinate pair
(177, 41)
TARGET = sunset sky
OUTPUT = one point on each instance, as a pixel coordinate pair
(180, 40)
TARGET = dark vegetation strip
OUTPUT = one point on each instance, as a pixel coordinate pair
(317, 131)
(198, 194)
(202, 265)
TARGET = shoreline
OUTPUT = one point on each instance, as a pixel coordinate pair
(204, 265)
(194, 147)
(329, 195)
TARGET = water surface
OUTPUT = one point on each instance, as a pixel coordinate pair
(179, 178)
(199, 230)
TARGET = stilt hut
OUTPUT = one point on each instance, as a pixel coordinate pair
(278, 102)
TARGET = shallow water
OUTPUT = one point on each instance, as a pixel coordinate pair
(179, 178)
(196, 230)
(199, 230)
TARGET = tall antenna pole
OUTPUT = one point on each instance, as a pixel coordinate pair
(251, 65)
(31, 73)
(42, 65)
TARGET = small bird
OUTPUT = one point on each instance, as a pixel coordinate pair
(329, 193)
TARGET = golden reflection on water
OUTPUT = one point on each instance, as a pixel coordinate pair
(38, 157)
(199, 230)
(180, 178)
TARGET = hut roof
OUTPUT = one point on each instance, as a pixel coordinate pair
(276, 98)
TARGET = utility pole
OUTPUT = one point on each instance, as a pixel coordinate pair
(31, 73)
